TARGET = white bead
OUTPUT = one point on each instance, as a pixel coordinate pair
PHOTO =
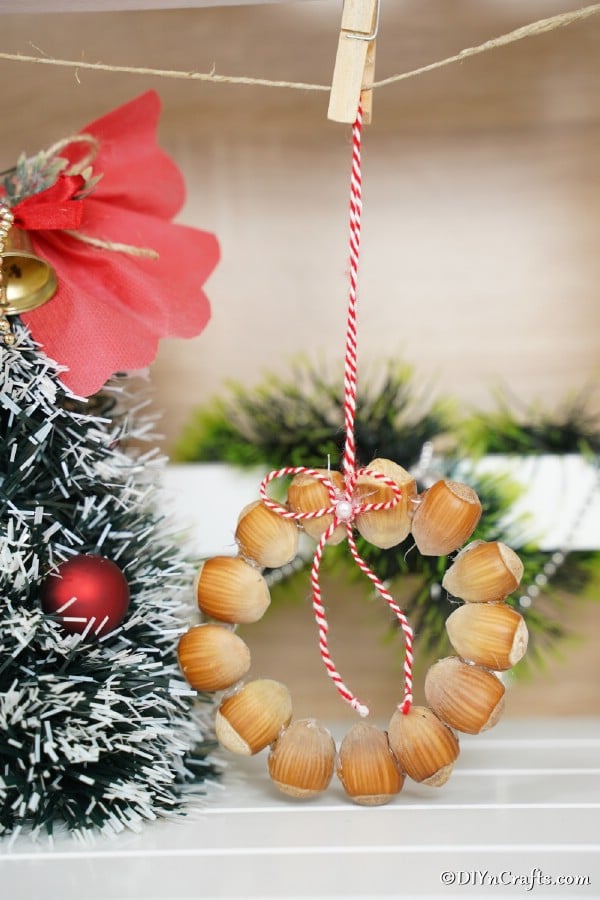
(343, 510)
(435, 591)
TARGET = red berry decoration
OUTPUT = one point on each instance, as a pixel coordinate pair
(88, 594)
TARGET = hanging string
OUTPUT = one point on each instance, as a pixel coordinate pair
(533, 29)
(345, 506)
(350, 372)
(404, 624)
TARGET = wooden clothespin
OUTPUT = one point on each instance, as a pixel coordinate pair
(354, 69)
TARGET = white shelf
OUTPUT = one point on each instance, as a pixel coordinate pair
(559, 507)
(523, 796)
(55, 6)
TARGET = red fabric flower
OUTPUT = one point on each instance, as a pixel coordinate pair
(112, 308)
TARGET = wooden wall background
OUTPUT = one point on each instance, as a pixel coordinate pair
(482, 203)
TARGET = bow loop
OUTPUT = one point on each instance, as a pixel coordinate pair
(56, 208)
(345, 506)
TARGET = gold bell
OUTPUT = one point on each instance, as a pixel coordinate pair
(27, 280)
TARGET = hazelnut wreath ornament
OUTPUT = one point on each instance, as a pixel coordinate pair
(464, 692)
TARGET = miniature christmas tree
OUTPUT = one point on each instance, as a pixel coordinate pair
(98, 728)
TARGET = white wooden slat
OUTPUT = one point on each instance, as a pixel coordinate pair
(339, 830)
(556, 490)
(519, 800)
(364, 873)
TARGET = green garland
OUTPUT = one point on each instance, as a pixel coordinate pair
(525, 430)
(299, 421)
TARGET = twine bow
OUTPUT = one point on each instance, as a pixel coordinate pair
(346, 506)
(60, 207)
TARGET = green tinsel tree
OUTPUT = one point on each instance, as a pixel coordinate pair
(96, 733)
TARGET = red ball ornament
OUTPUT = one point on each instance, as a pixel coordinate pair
(83, 589)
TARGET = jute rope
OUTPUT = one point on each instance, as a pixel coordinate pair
(113, 246)
(81, 165)
(541, 26)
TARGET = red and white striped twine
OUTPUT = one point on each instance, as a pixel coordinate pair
(345, 507)
(350, 371)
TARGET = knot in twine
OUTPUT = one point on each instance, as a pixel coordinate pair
(344, 508)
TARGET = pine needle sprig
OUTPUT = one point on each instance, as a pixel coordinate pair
(298, 420)
(31, 175)
(524, 429)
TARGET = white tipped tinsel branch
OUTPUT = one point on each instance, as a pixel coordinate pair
(96, 734)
